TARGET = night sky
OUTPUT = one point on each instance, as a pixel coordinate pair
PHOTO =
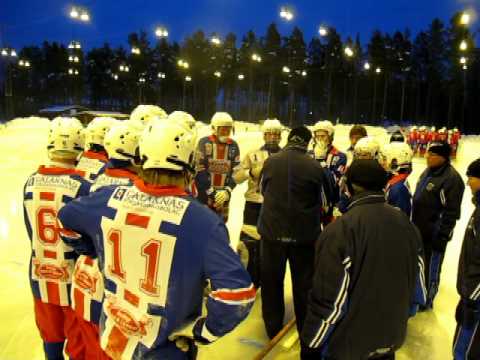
(26, 22)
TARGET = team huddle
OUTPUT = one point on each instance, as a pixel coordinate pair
(127, 223)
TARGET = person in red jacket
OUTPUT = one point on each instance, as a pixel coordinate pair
(454, 141)
(423, 139)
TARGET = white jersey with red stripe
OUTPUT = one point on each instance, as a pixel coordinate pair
(52, 261)
(157, 247)
(92, 164)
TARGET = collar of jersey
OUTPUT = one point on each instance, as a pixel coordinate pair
(57, 170)
(120, 173)
(213, 138)
(158, 190)
(95, 155)
(397, 178)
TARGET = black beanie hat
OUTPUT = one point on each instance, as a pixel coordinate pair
(300, 136)
(474, 169)
(368, 174)
(440, 148)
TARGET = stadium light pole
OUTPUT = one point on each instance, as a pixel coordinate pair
(10, 56)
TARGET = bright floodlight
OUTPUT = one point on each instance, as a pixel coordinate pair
(465, 67)
(4, 52)
(85, 17)
(161, 32)
(241, 76)
(465, 19)
(188, 78)
(136, 50)
(115, 76)
(13, 53)
(78, 45)
(378, 70)
(215, 40)
(286, 13)
(304, 73)
(121, 68)
(218, 74)
(76, 72)
(70, 71)
(348, 51)
(142, 80)
(323, 31)
(21, 63)
(463, 60)
(74, 13)
(256, 57)
(161, 75)
(286, 69)
(463, 45)
(366, 66)
(27, 63)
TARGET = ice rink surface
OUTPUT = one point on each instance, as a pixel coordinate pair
(22, 145)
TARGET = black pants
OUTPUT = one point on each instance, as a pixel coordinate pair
(274, 256)
(466, 342)
(250, 217)
(433, 269)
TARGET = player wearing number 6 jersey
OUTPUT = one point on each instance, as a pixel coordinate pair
(52, 261)
(156, 247)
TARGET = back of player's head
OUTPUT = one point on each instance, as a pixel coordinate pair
(358, 130)
(299, 136)
(96, 131)
(65, 138)
(368, 175)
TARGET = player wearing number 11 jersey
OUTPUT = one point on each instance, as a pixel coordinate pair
(52, 261)
(156, 247)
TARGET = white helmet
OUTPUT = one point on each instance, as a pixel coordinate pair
(145, 113)
(272, 126)
(121, 141)
(366, 148)
(423, 128)
(396, 156)
(65, 138)
(413, 128)
(221, 119)
(97, 129)
(184, 118)
(433, 128)
(442, 130)
(455, 130)
(326, 126)
(177, 146)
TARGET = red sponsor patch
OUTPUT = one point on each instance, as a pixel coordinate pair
(126, 322)
(51, 271)
(85, 281)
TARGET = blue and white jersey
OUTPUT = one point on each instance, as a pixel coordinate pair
(215, 162)
(399, 194)
(156, 247)
(52, 261)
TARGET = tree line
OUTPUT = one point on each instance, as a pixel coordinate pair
(393, 78)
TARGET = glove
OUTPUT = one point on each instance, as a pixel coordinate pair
(221, 196)
(183, 337)
(256, 171)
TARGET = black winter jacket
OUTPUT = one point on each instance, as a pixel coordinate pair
(436, 205)
(366, 267)
(468, 281)
(295, 191)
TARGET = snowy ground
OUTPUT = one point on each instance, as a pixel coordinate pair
(22, 144)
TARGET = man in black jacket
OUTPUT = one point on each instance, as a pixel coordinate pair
(366, 267)
(435, 210)
(290, 222)
(467, 339)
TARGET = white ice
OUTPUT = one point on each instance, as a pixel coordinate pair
(22, 144)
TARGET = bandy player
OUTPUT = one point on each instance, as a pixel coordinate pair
(157, 247)
(52, 261)
(217, 156)
(121, 143)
